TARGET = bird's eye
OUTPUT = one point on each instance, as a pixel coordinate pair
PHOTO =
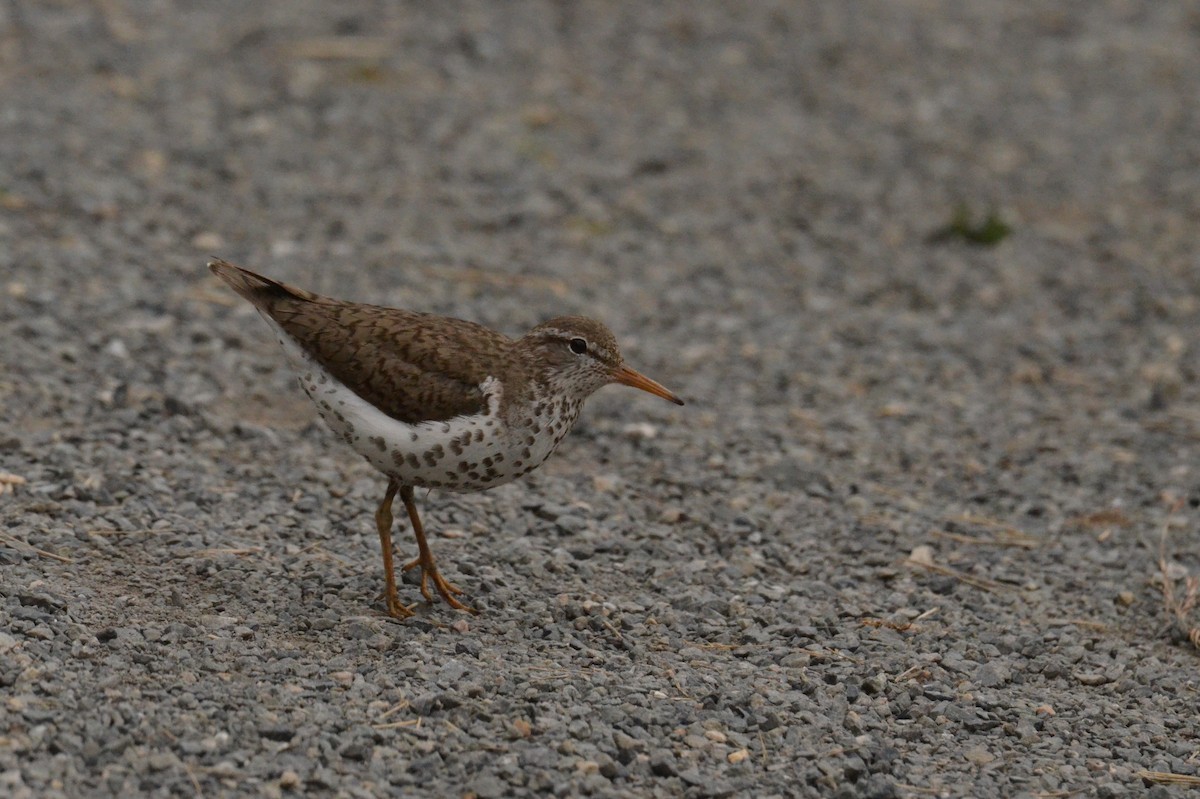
(578, 346)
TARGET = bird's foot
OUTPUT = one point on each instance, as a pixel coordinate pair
(395, 608)
(446, 589)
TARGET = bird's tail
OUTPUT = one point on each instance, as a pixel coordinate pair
(261, 291)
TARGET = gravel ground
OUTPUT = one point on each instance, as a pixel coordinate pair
(904, 540)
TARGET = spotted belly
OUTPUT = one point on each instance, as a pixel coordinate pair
(465, 453)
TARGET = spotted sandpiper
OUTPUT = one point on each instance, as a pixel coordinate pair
(436, 402)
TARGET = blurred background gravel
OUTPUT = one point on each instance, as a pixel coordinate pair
(926, 271)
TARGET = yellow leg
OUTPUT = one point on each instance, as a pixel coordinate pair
(429, 571)
(383, 521)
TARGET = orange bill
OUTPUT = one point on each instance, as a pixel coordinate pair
(628, 377)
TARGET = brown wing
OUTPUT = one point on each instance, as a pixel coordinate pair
(414, 367)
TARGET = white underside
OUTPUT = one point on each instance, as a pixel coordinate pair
(429, 454)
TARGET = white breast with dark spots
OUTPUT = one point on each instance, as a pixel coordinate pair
(466, 453)
(537, 430)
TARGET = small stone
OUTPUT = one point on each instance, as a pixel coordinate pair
(41, 632)
(356, 751)
(289, 780)
(208, 241)
(979, 756)
(921, 555)
(343, 678)
(662, 763)
(604, 483)
(451, 672)
(117, 349)
(280, 734)
(672, 515)
(608, 766)
(641, 430)
(487, 786)
(1125, 598)
(716, 736)
(587, 767)
(570, 523)
(992, 675)
(874, 685)
(1092, 678)
(738, 755)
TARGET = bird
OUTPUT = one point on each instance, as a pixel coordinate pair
(433, 401)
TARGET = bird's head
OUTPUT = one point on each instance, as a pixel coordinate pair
(580, 355)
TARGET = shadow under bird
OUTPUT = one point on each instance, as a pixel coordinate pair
(436, 402)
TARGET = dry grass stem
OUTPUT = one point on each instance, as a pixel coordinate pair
(978, 582)
(8, 539)
(395, 725)
(107, 531)
(1168, 778)
(1178, 608)
(208, 553)
(1005, 538)
(336, 48)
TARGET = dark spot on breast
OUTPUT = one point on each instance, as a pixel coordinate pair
(498, 457)
(397, 457)
(530, 440)
(465, 438)
(463, 466)
(379, 442)
(491, 473)
(524, 455)
(414, 435)
(456, 447)
(430, 458)
(445, 427)
(473, 475)
(413, 460)
(479, 434)
(451, 476)
(487, 461)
